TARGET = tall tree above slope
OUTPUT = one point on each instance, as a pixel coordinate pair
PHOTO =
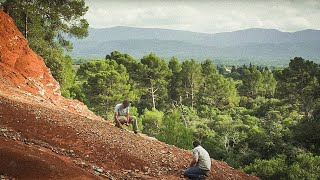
(49, 19)
(175, 83)
(155, 74)
(191, 81)
(45, 25)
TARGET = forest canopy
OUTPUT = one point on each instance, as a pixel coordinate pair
(251, 117)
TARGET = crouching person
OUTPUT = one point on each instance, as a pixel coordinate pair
(200, 164)
(122, 116)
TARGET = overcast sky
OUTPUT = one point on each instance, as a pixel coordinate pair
(209, 16)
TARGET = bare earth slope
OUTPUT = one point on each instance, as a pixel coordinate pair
(44, 136)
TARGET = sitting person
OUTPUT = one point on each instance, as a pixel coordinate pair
(122, 116)
(200, 164)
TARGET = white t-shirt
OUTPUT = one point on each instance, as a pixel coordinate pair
(120, 110)
(204, 160)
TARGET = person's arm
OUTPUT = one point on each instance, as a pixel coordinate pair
(117, 120)
(128, 118)
(195, 157)
(193, 162)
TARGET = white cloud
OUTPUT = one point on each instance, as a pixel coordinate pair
(206, 16)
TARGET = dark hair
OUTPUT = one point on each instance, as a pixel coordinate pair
(126, 103)
(196, 143)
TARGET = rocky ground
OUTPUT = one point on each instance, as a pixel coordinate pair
(41, 141)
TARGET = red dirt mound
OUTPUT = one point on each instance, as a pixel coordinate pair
(24, 71)
(20, 66)
(44, 136)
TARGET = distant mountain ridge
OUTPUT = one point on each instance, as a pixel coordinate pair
(248, 43)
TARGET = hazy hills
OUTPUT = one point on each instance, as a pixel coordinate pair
(251, 44)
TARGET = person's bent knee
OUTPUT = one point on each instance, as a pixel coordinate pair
(133, 119)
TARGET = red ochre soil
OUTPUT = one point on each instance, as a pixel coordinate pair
(44, 136)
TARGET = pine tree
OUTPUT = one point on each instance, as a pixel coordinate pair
(155, 74)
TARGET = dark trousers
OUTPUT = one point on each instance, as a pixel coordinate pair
(195, 173)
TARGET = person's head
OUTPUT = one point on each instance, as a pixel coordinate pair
(195, 143)
(125, 103)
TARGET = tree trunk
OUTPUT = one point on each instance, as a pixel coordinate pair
(226, 142)
(153, 98)
(153, 94)
(192, 94)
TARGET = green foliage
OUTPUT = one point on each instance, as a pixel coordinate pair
(307, 134)
(191, 81)
(219, 92)
(134, 70)
(261, 105)
(132, 65)
(269, 84)
(134, 112)
(216, 90)
(299, 84)
(152, 121)
(208, 68)
(154, 75)
(252, 81)
(275, 168)
(174, 132)
(175, 82)
(230, 131)
(105, 83)
(205, 111)
(56, 17)
(215, 147)
(77, 93)
(306, 166)
(270, 136)
(68, 75)
(256, 81)
(189, 115)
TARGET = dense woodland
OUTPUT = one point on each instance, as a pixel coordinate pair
(266, 122)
